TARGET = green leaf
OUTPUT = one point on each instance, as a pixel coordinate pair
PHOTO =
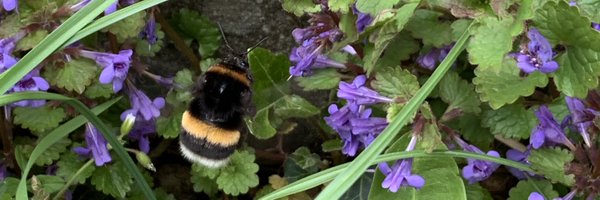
(347, 25)
(299, 7)
(559, 108)
(240, 175)
(425, 25)
(29, 41)
(579, 66)
(301, 163)
(321, 80)
(476, 192)
(74, 75)
(294, 106)
(506, 86)
(202, 171)
(8, 187)
(50, 184)
(98, 90)
(48, 156)
(270, 76)
(10, 26)
(551, 162)
(206, 63)
(204, 184)
(458, 93)
(511, 121)
(69, 164)
(386, 33)
(261, 127)
(332, 145)
(397, 83)
(399, 49)
(200, 28)
(39, 119)
(342, 6)
(129, 27)
(459, 26)
(525, 187)
(491, 41)
(442, 178)
(169, 127)
(471, 128)
(360, 189)
(112, 179)
(184, 78)
(590, 8)
(375, 7)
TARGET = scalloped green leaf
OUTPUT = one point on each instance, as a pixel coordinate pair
(399, 49)
(579, 65)
(113, 180)
(590, 8)
(321, 80)
(75, 75)
(240, 175)
(39, 119)
(29, 41)
(506, 85)
(169, 127)
(70, 163)
(551, 162)
(301, 163)
(525, 187)
(128, 27)
(342, 6)
(204, 184)
(49, 184)
(300, 7)
(294, 106)
(260, 126)
(200, 28)
(48, 156)
(511, 121)
(396, 82)
(490, 43)
(476, 192)
(375, 7)
(425, 25)
(98, 90)
(458, 93)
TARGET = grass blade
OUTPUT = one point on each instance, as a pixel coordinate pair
(345, 180)
(106, 132)
(112, 18)
(58, 37)
(328, 174)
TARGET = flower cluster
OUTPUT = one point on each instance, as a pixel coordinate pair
(115, 66)
(433, 57)
(538, 56)
(548, 132)
(353, 121)
(477, 170)
(581, 117)
(145, 111)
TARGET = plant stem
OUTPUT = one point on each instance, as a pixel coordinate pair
(511, 143)
(72, 179)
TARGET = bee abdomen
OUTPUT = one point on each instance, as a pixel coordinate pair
(206, 143)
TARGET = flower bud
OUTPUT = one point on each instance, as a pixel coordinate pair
(127, 124)
(143, 159)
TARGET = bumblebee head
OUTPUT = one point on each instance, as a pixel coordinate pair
(237, 61)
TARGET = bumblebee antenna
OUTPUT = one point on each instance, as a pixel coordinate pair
(256, 45)
(225, 38)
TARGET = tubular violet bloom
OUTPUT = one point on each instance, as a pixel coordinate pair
(538, 56)
(115, 66)
(31, 82)
(596, 26)
(149, 32)
(141, 105)
(141, 132)
(359, 94)
(7, 45)
(96, 146)
(433, 57)
(548, 131)
(400, 175)
(521, 157)
(477, 170)
(581, 117)
(363, 19)
(9, 5)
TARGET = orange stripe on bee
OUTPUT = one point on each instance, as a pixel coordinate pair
(210, 133)
(221, 69)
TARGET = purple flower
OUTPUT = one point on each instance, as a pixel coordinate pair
(521, 157)
(142, 129)
(596, 26)
(477, 170)
(535, 196)
(96, 146)
(581, 117)
(359, 94)
(313, 39)
(7, 45)
(355, 125)
(538, 55)
(149, 32)
(9, 5)
(112, 8)
(538, 196)
(400, 174)
(142, 105)
(31, 82)
(363, 20)
(435, 55)
(548, 131)
(115, 66)
(572, 3)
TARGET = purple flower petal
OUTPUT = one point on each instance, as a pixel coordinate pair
(41, 83)
(112, 8)
(535, 196)
(9, 5)
(549, 67)
(107, 75)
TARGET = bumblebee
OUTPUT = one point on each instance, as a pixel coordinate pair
(212, 122)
